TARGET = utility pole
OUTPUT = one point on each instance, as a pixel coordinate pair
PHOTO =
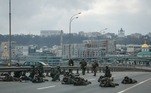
(61, 40)
(61, 44)
(10, 52)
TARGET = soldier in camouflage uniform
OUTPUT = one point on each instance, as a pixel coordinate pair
(107, 73)
(81, 81)
(70, 63)
(70, 78)
(55, 73)
(32, 73)
(7, 77)
(83, 64)
(24, 76)
(95, 65)
(36, 75)
(128, 80)
(107, 82)
(17, 74)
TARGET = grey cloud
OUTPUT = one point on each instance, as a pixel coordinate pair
(31, 16)
(70, 4)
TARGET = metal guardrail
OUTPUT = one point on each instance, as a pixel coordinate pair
(12, 69)
(77, 68)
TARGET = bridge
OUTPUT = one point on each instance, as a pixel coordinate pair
(143, 85)
(141, 74)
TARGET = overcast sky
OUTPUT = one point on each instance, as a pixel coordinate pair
(32, 16)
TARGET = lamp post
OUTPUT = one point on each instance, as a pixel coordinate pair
(9, 33)
(70, 21)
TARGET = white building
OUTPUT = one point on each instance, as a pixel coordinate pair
(46, 33)
(131, 48)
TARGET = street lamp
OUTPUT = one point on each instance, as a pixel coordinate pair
(70, 21)
(10, 51)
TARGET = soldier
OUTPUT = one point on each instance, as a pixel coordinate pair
(83, 64)
(69, 78)
(107, 72)
(24, 76)
(17, 74)
(56, 74)
(95, 65)
(128, 80)
(107, 82)
(81, 81)
(41, 70)
(32, 73)
(7, 77)
(37, 78)
(70, 63)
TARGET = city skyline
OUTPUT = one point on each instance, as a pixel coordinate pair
(32, 16)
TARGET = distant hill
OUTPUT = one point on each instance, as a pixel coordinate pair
(76, 38)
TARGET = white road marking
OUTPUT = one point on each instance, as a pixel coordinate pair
(134, 86)
(46, 87)
(91, 79)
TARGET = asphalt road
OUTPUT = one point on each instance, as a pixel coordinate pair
(143, 85)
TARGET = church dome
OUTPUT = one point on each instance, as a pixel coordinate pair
(145, 46)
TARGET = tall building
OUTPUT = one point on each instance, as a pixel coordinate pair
(89, 49)
(121, 33)
(46, 33)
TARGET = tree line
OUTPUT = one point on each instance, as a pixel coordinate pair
(70, 38)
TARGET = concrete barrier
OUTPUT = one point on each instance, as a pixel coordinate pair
(77, 68)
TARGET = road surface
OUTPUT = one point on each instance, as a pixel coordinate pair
(143, 85)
